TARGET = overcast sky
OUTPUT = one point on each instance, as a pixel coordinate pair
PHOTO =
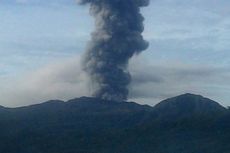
(41, 43)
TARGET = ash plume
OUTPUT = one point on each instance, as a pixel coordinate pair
(117, 37)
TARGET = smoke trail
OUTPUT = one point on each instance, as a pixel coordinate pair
(117, 38)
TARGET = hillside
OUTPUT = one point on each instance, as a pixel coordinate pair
(183, 124)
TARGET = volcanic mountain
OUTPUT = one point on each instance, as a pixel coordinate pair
(183, 124)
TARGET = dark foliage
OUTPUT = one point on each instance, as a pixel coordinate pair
(184, 124)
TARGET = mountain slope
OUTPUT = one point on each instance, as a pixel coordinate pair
(188, 105)
(90, 125)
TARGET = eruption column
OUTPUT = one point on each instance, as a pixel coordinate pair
(117, 37)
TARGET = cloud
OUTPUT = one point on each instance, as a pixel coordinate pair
(155, 81)
(152, 82)
(196, 33)
(61, 80)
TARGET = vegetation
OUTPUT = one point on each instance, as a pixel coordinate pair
(89, 125)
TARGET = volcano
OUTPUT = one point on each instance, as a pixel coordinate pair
(187, 123)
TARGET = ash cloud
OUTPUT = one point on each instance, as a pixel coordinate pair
(117, 37)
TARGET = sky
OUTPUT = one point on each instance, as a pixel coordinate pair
(41, 44)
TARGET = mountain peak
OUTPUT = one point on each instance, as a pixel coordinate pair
(188, 104)
(103, 125)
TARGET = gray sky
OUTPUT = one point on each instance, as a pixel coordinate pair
(41, 43)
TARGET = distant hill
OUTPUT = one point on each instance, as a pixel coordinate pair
(183, 124)
(188, 105)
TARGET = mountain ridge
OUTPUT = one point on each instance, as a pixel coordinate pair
(88, 99)
(91, 125)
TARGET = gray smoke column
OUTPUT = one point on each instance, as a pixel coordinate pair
(118, 36)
